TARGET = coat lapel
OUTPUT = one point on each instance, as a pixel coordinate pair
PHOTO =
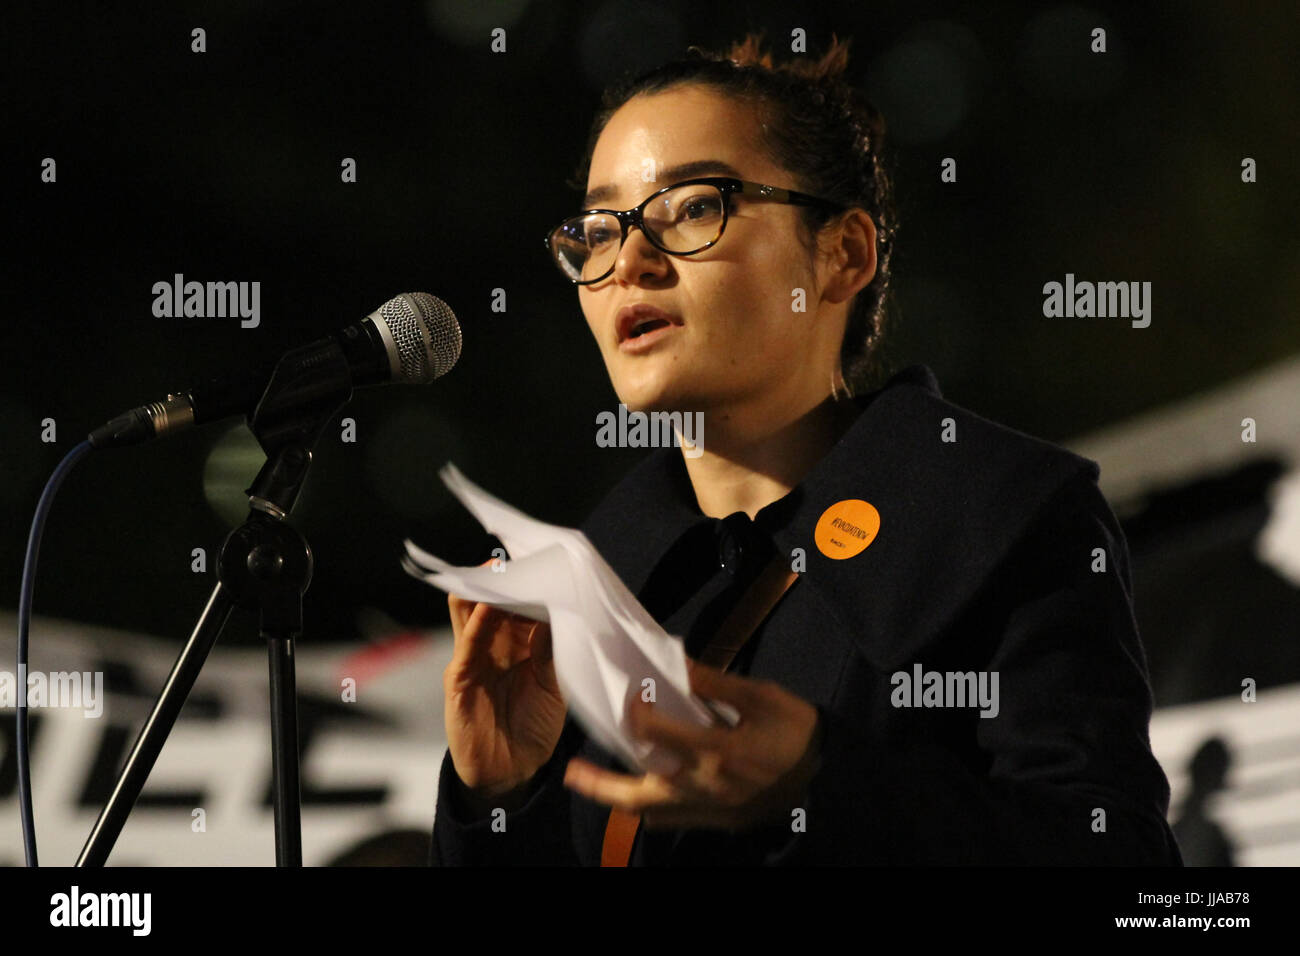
(950, 512)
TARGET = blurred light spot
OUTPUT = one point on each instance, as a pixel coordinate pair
(1278, 544)
(471, 22)
(1285, 288)
(1057, 62)
(926, 83)
(232, 464)
(402, 459)
(625, 36)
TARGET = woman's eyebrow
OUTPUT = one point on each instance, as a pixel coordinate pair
(698, 167)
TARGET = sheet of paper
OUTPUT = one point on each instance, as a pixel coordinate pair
(608, 648)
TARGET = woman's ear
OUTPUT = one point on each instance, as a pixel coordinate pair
(852, 263)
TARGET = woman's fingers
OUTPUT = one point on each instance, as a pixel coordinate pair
(539, 643)
(474, 645)
(741, 692)
(542, 652)
(460, 609)
(489, 636)
(689, 740)
(631, 793)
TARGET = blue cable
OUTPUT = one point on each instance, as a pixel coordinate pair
(24, 618)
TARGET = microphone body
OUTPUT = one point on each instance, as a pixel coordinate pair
(413, 338)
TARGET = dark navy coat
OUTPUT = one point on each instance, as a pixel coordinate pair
(984, 561)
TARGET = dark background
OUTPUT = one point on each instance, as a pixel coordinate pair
(225, 166)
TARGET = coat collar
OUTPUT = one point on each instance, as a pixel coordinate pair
(949, 512)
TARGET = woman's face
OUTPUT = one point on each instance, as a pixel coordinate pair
(736, 339)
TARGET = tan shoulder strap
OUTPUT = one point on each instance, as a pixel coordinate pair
(750, 611)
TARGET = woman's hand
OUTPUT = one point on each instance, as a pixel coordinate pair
(503, 709)
(730, 778)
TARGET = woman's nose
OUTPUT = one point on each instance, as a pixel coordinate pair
(638, 256)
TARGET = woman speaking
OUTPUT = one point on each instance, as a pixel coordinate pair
(923, 618)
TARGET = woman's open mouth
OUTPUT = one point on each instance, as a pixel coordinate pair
(641, 326)
(645, 335)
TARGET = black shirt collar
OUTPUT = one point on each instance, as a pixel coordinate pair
(654, 505)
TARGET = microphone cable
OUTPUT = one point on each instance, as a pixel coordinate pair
(24, 619)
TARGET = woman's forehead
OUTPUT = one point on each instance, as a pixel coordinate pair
(688, 114)
(654, 176)
(652, 141)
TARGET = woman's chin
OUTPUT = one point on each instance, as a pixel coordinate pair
(659, 400)
(649, 395)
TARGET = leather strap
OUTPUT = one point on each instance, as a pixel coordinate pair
(750, 611)
(620, 834)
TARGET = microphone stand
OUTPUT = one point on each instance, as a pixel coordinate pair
(264, 564)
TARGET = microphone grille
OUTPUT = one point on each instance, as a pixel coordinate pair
(426, 334)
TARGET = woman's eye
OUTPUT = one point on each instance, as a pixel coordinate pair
(695, 208)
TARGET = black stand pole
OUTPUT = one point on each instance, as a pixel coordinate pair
(284, 754)
(154, 733)
(264, 564)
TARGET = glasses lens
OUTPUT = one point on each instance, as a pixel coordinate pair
(686, 219)
(683, 220)
(585, 246)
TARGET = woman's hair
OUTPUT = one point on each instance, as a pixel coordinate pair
(821, 129)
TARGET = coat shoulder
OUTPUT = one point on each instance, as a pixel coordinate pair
(957, 495)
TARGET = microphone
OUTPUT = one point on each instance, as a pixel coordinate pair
(411, 339)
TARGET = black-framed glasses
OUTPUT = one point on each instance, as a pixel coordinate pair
(681, 220)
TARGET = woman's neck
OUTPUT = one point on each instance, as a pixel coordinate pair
(745, 464)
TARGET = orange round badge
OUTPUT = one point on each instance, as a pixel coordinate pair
(846, 528)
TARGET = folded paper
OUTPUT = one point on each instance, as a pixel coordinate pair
(608, 650)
